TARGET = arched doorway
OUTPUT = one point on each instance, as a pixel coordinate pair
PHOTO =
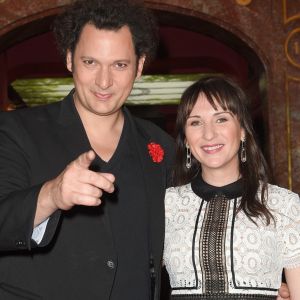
(262, 33)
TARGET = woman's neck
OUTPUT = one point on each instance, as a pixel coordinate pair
(220, 178)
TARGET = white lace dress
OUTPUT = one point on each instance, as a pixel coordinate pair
(212, 253)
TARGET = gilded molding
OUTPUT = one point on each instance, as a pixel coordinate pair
(288, 80)
(292, 53)
(287, 19)
(294, 44)
(288, 129)
(243, 2)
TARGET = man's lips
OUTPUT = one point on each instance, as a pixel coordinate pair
(102, 96)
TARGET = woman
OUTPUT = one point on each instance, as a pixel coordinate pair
(229, 233)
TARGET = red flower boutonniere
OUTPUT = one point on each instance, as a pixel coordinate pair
(156, 152)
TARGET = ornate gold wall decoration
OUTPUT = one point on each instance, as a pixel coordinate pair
(292, 85)
(288, 129)
(293, 5)
(243, 2)
(291, 16)
(292, 47)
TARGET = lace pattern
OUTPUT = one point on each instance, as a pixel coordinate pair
(219, 296)
(249, 250)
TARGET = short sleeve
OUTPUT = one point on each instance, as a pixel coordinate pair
(291, 232)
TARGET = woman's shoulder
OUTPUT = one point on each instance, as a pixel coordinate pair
(179, 189)
(176, 194)
(280, 191)
(181, 200)
(281, 197)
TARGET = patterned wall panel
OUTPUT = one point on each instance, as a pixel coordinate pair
(291, 22)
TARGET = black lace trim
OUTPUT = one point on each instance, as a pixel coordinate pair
(212, 246)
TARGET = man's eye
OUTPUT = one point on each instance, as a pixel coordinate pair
(89, 61)
(120, 65)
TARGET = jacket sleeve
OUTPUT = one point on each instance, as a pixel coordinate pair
(18, 195)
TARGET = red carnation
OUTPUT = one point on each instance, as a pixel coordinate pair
(156, 152)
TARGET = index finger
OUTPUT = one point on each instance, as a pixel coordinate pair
(85, 159)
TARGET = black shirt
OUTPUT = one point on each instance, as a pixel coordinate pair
(128, 212)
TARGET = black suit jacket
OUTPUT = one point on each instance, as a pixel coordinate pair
(76, 258)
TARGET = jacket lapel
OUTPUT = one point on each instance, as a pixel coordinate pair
(154, 177)
(71, 130)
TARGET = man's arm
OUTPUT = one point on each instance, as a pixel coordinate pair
(23, 205)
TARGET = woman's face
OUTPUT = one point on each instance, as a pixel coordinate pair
(214, 138)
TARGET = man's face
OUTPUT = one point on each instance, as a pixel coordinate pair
(104, 68)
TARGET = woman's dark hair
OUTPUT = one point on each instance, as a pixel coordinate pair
(254, 172)
(109, 15)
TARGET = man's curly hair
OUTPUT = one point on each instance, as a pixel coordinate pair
(109, 15)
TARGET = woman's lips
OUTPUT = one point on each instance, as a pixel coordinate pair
(212, 148)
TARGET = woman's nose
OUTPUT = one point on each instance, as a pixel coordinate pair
(209, 131)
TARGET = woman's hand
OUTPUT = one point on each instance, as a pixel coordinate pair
(283, 293)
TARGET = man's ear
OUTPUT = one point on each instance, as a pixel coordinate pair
(69, 61)
(140, 66)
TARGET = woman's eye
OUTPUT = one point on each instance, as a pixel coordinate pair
(195, 123)
(221, 120)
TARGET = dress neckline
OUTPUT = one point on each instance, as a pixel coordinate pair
(207, 191)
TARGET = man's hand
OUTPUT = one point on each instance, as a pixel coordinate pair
(283, 293)
(76, 185)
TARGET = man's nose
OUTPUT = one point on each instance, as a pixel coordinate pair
(104, 78)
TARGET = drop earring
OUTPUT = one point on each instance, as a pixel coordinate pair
(243, 151)
(188, 163)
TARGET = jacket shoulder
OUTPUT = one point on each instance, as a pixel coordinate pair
(32, 113)
(153, 130)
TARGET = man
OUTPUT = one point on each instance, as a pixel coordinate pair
(82, 181)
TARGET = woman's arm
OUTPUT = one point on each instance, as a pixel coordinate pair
(293, 280)
(283, 293)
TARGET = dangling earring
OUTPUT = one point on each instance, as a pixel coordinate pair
(243, 151)
(188, 163)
